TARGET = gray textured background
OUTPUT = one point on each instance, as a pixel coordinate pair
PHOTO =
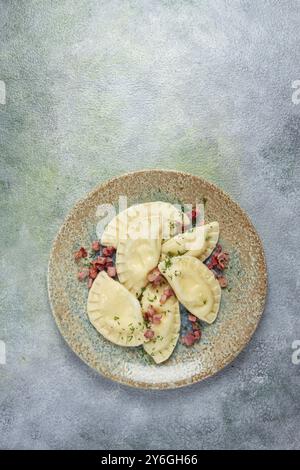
(97, 88)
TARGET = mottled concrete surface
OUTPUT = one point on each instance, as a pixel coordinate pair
(98, 88)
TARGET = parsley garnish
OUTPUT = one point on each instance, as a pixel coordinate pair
(168, 263)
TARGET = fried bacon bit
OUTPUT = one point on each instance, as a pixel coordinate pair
(109, 262)
(152, 316)
(222, 281)
(101, 260)
(153, 274)
(81, 253)
(223, 260)
(169, 292)
(191, 337)
(197, 334)
(155, 277)
(108, 251)
(97, 266)
(166, 294)
(158, 280)
(149, 314)
(151, 310)
(156, 319)
(111, 271)
(219, 259)
(218, 249)
(93, 273)
(99, 263)
(96, 245)
(149, 334)
(192, 318)
(82, 274)
(213, 263)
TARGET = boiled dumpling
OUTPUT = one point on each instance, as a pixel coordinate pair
(194, 285)
(199, 242)
(139, 254)
(166, 332)
(115, 312)
(118, 227)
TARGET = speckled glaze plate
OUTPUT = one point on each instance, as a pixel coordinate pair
(241, 305)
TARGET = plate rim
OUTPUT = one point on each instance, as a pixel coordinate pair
(196, 377)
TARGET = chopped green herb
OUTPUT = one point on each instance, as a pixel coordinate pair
(168, 263)
(139, 296)
(152, 300)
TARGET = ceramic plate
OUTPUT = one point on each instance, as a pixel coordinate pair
(241, 305)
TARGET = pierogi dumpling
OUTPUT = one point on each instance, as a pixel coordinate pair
(199, 242)
(194, 285)
(166, 332)
(115, 312)
(139, 254)
(118, 227)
